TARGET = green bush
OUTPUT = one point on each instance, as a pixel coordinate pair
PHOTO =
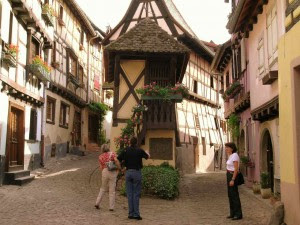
(162, 181)
(265, 180)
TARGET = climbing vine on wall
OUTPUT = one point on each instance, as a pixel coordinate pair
(234, 126)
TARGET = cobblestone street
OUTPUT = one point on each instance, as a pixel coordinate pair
(64, 193)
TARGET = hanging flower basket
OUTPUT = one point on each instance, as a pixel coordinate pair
(48, 14)
(108, 94)
(10, 60)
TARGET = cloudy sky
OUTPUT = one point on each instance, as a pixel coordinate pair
(207, 18)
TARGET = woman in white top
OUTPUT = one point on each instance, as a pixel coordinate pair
(232, 171)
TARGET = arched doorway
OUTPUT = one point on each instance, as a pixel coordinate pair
(267, 163)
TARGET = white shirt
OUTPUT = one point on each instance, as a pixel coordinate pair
(234, 157)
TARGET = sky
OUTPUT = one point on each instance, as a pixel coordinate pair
(207, 18)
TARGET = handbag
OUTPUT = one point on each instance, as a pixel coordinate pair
(240, 179)
(111, 165)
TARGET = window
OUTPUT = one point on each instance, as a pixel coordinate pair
(35, 48)
(81, 38)
(195, 87)
(197, 121)
(72, 63)
(61, 12)
(64, 115)
(211, 81)
(227, 79)
(33, 124)
(10, 28)
(203, 145)
(261, 55)
(272, 34)
(81, 73)
(216, 123)
(50, 117)
(46, 55)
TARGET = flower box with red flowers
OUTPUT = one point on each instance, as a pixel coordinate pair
(10, 56)
(40, 69)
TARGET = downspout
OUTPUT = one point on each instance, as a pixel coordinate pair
(88, 67)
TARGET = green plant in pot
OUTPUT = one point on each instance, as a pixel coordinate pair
(256, 187)
(244, 159)
(265, 191)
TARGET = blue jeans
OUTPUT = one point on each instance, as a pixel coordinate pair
(133, 190)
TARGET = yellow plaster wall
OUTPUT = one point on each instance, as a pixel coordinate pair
(115, 132)
(132, 69)
(289, 49)
(159, 134)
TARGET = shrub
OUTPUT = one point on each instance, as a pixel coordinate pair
(265, 180)
(162, 181)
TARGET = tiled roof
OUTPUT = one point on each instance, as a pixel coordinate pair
(148, 37)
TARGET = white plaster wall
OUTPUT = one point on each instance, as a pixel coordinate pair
(107, 123)
(32, 148)
(3, 121)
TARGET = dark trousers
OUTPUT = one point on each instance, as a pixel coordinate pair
(133, 191)
(234, 198)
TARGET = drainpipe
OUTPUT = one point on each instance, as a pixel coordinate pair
(88, 67)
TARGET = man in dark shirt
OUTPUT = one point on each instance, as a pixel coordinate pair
(132, 157)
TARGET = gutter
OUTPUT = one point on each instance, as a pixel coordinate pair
(88, 67)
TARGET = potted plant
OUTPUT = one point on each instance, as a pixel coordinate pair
(244, 159)
(10, 56)
(109, 94)
(265, 185)
(256, 187)
(48, 14)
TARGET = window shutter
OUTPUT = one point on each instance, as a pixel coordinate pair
(27, 122)
(96, 82)
(39, 125)
(243, 54)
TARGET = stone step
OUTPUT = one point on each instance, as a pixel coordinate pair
(23, 180)
(17, 174)
(15, 168)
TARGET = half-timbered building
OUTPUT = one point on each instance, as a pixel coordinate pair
(153, 43)
(75, 82)
(26, 37)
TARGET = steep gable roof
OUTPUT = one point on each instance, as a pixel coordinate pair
(170, 19)
(148, 37)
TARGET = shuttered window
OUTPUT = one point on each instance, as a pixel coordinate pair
(261, 55)
(50, 114)
(272, 34)
(64, 115)
(33, 124)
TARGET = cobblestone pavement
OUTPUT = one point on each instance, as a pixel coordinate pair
(64, 193)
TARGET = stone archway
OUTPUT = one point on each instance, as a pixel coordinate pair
(267, 156)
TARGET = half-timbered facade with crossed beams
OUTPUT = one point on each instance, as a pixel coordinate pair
(75, 82)
(26, 32)
(191, 140)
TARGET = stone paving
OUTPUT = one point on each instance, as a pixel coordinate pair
(64, 193)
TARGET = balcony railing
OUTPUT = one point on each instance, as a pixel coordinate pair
(160, 114)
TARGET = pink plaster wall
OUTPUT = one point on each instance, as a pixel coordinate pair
(260, 93)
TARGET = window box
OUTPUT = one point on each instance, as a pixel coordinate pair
(39, 72)
(74, 80)
(270, 77)
(175, 97)
(10, 60)
(47, 15)
(232, 91)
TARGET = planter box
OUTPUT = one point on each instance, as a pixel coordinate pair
(74, 80)
(10, 60)
(256, 188)
(49, 19)
(39, 72)
(174, 98)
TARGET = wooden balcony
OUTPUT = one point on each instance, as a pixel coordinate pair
(160, 115)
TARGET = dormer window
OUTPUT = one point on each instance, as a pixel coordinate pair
(61, 16)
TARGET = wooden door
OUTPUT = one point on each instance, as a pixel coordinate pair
(270, 162)
(77, 127)
(15, 141)
(93, 128)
